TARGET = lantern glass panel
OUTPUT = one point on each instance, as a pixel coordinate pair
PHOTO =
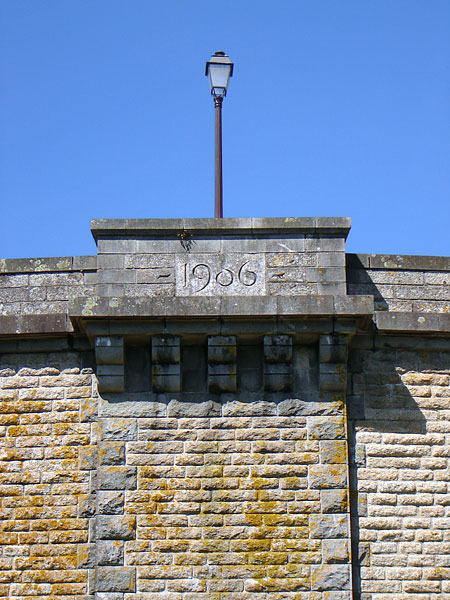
(218, 78)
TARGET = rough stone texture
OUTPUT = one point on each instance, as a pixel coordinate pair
(251, 306)
(401, 451)
(255, 424)
(230, 504)
(46, 484)
(198, 257)
(418, 284)
(44, 286)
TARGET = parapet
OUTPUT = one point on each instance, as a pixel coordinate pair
(223, 268)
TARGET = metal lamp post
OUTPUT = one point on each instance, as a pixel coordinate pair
(219, 69)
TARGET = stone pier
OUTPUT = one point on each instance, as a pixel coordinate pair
(222, 409)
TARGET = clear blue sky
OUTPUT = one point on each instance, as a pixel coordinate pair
(336, 108)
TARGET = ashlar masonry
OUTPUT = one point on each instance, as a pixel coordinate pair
(214, 409)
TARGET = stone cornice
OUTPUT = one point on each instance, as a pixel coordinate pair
(195, 227)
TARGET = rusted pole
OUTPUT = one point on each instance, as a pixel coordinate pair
(218, 201)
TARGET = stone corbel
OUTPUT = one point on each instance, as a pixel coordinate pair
(277, 363)
(333, 352)
(110, 358)
(166, 364)
(222, 364)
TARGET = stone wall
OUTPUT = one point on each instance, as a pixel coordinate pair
(231, 488)
(401, 283)
(35, 293)
(235, 504)
(250, 257)
(218, 412)
(400, 462)
(46, 476)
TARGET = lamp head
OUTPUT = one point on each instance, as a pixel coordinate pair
(219, 69)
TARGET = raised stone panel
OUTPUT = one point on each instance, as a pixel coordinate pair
(220, 275)
(227, 503)
(236, 257)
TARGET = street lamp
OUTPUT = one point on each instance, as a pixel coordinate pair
(219, 69)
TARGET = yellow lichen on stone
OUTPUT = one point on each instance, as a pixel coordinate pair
(43, 533)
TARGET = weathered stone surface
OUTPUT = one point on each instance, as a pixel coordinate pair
(329, 526)
(326, 428)
(333, 349)
(333, 452)
(178, 408)
(243, 493)
(413, 321)
(331, 577)
(109, 350)
(328, 476)
(87, 506)
(116, 579)
(294, 303)
(336, 551)
(47, 498)
(87, 556)
(110, 552)
(112, 453)
(115, 527)
(116, 478)
(166, 349)
(87, 458)
(118, 429)
(399, 479)
(110, 502)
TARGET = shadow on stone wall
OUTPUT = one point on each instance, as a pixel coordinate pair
(379, 402)
(359, 282)
(37, 364)
(301, 397)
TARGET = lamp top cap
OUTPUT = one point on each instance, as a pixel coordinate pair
(219, 57)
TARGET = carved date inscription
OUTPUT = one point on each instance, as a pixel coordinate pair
(220, 275)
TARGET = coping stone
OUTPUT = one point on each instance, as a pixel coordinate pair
(416, 341)
(45, 323)
(47, 264)
(353, 305)
(409, 262)
(169, 227)
(357, 261)
(84, 263)
(413, 321)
